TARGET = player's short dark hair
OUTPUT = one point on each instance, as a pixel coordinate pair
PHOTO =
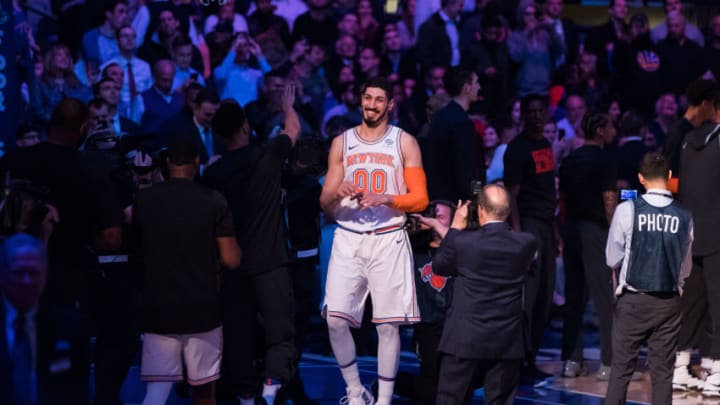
(701, 90)
(183, 151)
(69, 115)
(454, 80)
(380, 82)
(654, 166)
(228, 120)
(591, 122)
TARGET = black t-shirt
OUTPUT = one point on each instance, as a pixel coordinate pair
(178, 222)
(250, 178)
(584, 175)
(672, 148)
(530, 164)
(629, 156)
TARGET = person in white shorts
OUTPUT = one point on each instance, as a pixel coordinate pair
(374, 176)
(186, 232)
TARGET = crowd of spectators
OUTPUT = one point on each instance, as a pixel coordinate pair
(150, 70)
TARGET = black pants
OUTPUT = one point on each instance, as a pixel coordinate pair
(640, 317)
(457, 375)
(586, 274)
(701, 299)
(539, 283)
(269, 295)
(423, 387)
(115, 301)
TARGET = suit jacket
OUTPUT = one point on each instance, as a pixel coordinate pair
(183, 125)
(485, 318)
(433, 44)
(572, 42)
(62, 362)
(129, 127)
(453, 155)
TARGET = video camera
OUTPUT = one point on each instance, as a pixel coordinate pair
(413, 226)
(23, 207)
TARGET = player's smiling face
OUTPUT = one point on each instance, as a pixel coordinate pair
(375, 106)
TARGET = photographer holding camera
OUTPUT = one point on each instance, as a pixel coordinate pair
(489, 265)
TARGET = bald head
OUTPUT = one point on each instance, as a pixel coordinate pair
(493, 204)
(164, 73)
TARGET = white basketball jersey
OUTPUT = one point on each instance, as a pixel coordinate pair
(376, 167)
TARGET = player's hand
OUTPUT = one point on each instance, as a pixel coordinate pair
(368, 199)
(461, 215)
(346, 189)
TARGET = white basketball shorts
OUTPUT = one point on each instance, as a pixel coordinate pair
(163, 355)
(377, 264)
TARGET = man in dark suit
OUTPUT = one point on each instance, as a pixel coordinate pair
(483, 330)
(41, 359)
(453, 151)
(566, 29)
(603, 39)
(197, 127)
(438, 42)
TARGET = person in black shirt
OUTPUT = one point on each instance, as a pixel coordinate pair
(250, 177)
(183, 229)
(530, 178)
(631, 151)
(701, 108)
(588, 187)
(454, 156)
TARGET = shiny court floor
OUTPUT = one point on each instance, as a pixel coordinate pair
(324, 384)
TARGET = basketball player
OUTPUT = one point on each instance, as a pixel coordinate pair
(374, 177)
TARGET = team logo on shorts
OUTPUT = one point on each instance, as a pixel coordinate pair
(438, 283)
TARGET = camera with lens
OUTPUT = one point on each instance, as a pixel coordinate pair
(413, 226)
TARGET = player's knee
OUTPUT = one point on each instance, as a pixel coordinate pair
(337, 325)
(387, 331)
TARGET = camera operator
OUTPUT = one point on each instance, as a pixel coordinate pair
(433, 295)
(89, 215)
(250, 175)
(483, 332)
(116, 276)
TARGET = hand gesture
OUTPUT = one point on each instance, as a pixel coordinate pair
(346, 189)
(461, 215)
(255, 49)
(368, 199)
(288, 97)
(292, 125)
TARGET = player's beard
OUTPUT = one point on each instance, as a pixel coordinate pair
(374, 123)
